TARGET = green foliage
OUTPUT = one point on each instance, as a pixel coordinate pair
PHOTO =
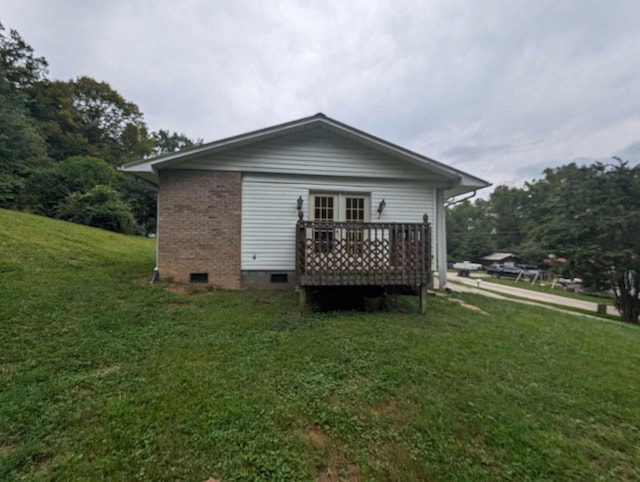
(141, 197)
(18, 64)
(46, 188)
(470, 231)
(100, 207)
(83, 190)
(238, 386)
(43, 120)
(89, 118)
(165, 142)
(21, 147)
(591, 215)
(508, 207)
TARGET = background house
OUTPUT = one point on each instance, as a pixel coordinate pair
(228, 209)
(509, 259)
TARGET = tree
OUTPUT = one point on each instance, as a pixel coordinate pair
(48, 187)
(508, 208)
(141, 197)
(165, 142)
(469, 231)
(89, 118)
(17, 61)
(101, 207)
(21, 147)
(591, 216)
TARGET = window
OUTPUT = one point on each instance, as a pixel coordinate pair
(330, 208)
(323, 208)
(354, 209)
(354, 213)
(323, 211)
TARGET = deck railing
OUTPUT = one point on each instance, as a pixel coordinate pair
(350, 253)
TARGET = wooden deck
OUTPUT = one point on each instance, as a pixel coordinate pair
(363, 254)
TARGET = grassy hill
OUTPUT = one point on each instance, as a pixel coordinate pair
(104, 376)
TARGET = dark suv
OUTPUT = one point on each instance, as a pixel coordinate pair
(502, 270)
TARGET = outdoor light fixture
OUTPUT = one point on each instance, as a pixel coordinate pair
(300, 203)
(381, 208)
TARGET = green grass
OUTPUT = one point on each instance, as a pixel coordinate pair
(105, 377)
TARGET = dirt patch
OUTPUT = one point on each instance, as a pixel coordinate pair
(392, 452)
(43, 466)
(334, 466)
(337, 469)
(316, 436)
(6, 450)
(177, 288)
(462, 303)
(106, 371)
(83, 391)
(8, 369)
(191, 289)
(395, 410)
(469, 307)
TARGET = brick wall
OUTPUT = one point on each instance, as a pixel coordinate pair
(199, 225)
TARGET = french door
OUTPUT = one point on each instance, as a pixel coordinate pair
(342, 208)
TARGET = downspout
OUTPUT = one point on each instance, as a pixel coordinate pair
(156, 271)
(441, 236)
(441, 239)
(155, 275)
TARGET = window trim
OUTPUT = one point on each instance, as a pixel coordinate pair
(324, 239)
(339, 205)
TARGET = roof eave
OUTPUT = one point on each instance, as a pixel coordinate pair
(460, 181)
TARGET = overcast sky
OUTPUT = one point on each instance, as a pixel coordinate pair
(500, 89)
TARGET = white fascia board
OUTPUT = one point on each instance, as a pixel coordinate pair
(144, 171)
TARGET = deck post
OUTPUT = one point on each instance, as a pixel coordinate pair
(423, 299)
(303, 299)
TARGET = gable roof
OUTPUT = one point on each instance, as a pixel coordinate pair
(458, 182)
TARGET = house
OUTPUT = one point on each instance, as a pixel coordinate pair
(499, 258)
(309, 202)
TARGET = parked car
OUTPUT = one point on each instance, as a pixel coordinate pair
(503, 270)
(465, 268)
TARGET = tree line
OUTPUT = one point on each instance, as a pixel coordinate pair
(61, 141)
(588, 216)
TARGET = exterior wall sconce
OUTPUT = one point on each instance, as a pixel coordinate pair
(300, 203)
(381, 208)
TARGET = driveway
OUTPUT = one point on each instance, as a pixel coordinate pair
(483, 287)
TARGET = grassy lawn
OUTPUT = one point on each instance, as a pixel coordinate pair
(105, 377)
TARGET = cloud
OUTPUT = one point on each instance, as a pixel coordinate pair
(630, 153)
(464, 152)
(499, 89)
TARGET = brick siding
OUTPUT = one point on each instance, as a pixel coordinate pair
(199, 225)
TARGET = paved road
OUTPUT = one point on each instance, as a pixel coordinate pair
(527, 294)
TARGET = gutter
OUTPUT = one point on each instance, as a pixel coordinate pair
(473, 194)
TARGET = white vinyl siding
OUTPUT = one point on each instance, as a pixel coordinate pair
(269, 211)
(315, 152)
